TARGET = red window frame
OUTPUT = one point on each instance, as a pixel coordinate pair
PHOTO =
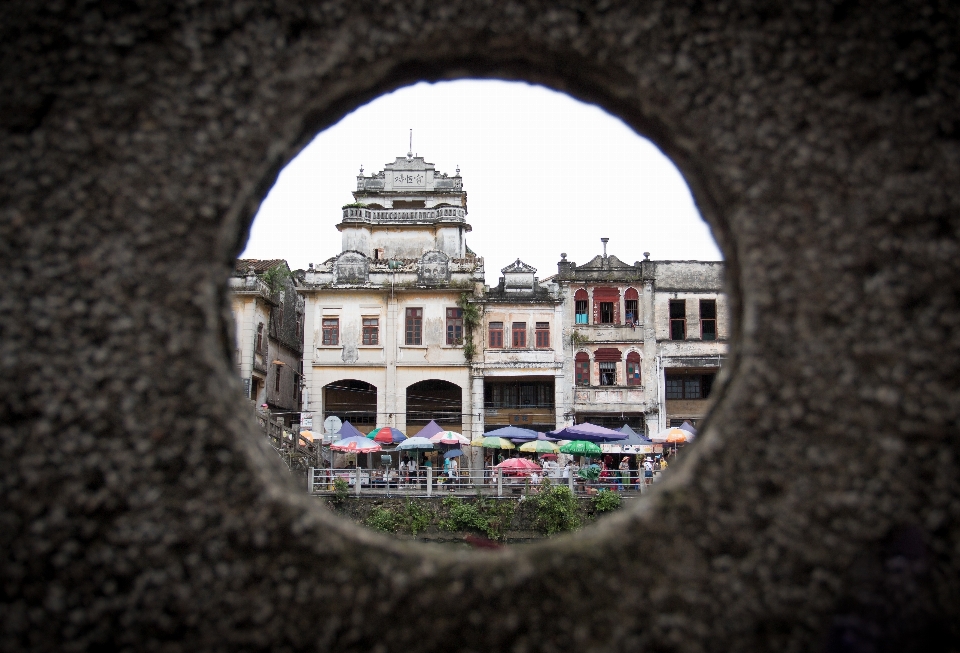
(543, 335)
(371, 331)
(519, 333)
(634, 374)
(495, 335)
(331, 331)
(582, 368)
(413, 326)
(454, 326)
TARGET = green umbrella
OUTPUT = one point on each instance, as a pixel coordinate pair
(581, 448)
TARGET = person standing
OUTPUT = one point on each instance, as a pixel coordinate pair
(624, 473)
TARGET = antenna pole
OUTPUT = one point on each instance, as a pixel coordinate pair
(410, 151)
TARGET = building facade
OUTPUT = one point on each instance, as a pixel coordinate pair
(268, 318)
(385, 333)
(643, 343)
(518, 378)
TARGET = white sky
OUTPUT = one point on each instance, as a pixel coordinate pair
(544, 174)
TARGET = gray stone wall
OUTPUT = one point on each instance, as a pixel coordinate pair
(819, 510)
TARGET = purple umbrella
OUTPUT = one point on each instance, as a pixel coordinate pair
(588, 432)
(348, 430)
(513, 433)
(430, 430)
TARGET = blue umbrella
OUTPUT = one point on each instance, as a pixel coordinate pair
(453, 453)
(348, 430)
(633, 437)
(512, 433)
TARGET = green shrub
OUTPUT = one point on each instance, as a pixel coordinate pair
(606, 500)
(341, 490)
(490, 517)
(416, 517)
(556, 509)
(382, 519)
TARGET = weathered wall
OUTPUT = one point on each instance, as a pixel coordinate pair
(817, 512)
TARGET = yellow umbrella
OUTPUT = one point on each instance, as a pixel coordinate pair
(539, 446)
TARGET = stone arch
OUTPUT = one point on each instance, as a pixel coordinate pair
(352, 400)
(435, 400)
(826, 187)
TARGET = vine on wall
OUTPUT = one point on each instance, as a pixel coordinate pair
(471, 320)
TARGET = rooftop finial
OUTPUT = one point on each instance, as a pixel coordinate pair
(410, 151)
(604, 241)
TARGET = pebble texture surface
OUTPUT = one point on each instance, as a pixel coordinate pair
(821, 509)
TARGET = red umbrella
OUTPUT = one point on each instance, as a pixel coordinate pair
(519, 466)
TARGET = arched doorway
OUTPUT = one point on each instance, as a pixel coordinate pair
(351, 400)
(440, 401)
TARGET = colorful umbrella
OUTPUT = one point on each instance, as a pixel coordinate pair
(548, 456)
(539, 446)
(415, 443)
(673, 434)
(386, 435)
(493, 443)
(355, 444)
(581, 448)
(449, 437)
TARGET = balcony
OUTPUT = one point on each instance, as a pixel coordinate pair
(443, 214)
(611, 397)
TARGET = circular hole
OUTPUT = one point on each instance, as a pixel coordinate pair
(572, 317)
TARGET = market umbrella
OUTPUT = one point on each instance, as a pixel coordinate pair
(307, 435)
(493, 443)
(547, 438)
(449, 437)
(519, 466)
(671, 435)
(548, 456)
(348, 430)
(387, 435)
(514, 433)
(689, 428)
(539, 446)
(430, 430)
(415, 443)
(355, 444)
(581, 448)
(590, 472)
(453, 453)
(589, 433)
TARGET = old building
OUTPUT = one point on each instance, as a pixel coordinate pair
(268, 316)
(519, 375)
(643, 342)
(385, 329)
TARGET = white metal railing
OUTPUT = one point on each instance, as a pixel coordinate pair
(426, 481)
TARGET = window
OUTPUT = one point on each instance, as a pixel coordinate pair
(299, 335)
(260, 337)
(606, 305)
(331, 331)
(371, 331)
(678, 319)
(454, 326)
(543, 335)
(495, 337)
(633, 369)
(631, 305)
(519, 335)
(527, 394)
(276, 383)
(414, 327)
(689, 386)
(582, 366)
(708, 319)
(581, 307)
(608, 373)
(606, 312)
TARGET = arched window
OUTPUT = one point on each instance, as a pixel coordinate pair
(633, 369)
(581, 306)
(631, 306)
(582, 365)
(606, 306)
